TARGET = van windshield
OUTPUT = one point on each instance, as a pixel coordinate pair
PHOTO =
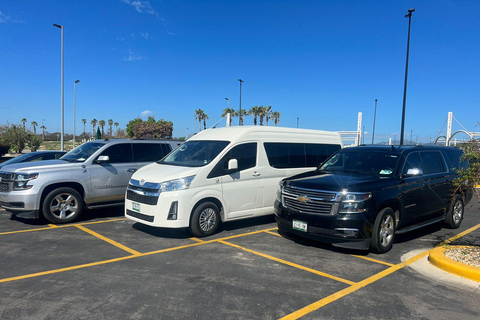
(195, 153)
(382, 164)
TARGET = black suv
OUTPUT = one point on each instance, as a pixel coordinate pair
(362, 196)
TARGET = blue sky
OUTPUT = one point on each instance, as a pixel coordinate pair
(320, 61)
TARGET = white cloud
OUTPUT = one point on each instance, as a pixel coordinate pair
(145, 114)
(145, 35)
(132, 56)
(7, 19)
(142, 6)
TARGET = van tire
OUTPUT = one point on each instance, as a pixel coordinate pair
(205, 219)
(455, 214)
(62, 205)
(383, 231)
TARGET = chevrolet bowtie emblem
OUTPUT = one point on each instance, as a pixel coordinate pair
(303, 199)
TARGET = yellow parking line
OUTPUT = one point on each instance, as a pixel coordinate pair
(274, 233)
(196, 239)
(461, 234)
(290, 263)
(115, 243)
(374, 260)
(53, 226)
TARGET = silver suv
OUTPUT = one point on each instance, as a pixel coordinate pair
(94, 174)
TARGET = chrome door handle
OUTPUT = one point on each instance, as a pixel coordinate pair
(256, 174)
(132, 170)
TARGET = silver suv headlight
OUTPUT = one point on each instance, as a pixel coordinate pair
(354, 202)
(177, 184)
(20, 181)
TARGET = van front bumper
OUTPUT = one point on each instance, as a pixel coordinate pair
(351, 231)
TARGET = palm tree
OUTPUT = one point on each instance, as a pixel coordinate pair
(199, 116)
(94, 124)
(275, 116)
(205, 117)
(43, 131)
(34, 125)
(232, 113)
(101, 123)
(84, 123)
(268, 112)
(241, 116)
(110, 124)
(116, 124)
(261, 115)
(24, 120)
(254, 111)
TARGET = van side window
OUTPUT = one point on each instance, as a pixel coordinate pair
(413, 161)
(246, 155)
(432, 162)
(119, 153)
(150, 152)
(298, 155)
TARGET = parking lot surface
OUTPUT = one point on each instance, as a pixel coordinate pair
(107, 267)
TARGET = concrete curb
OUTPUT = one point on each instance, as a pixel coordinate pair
(437, 258)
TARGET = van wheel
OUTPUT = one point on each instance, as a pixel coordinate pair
(62, 205)
(455, 214)
(205, 219)
(383, 231)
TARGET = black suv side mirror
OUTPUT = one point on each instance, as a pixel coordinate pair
(413, 172)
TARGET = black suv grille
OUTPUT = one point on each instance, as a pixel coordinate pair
(308, 201)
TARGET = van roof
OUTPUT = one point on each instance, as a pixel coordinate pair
(231, 133)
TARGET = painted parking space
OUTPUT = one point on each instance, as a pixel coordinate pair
(244, 271)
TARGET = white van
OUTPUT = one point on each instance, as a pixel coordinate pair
(223, 174)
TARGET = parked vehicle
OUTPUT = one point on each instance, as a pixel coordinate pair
(92, 175)
(362, 196)
(223, 174)
(34, 156)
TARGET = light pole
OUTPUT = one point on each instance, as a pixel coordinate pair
(297, 121)
(409, 16)
(374, 118)
(74, 84)
(62, 122)
(240, 111)
(229, 118)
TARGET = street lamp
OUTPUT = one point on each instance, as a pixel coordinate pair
(229, 117)
(409, 16)
(240, 111)
(374, 118)
(76, 81)
(297, 121)
(62, 122)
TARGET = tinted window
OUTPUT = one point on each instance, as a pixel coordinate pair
(246, 155)
(455, 159)
(50, 156)
(119, 153)
(149, 152)
(382, 164)
(298, 155)
(413, 162)
(432, 162)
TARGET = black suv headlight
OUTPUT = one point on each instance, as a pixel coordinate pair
(353, 202)
(20, 181)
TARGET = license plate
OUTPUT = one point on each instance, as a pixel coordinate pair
(136, 206)
(300, 225)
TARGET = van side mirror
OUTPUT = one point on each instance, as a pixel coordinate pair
(232, 165)
(102, 159)
(413, 172)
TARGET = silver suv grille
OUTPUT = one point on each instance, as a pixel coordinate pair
(5, 176)
(4, 187)
(309, 201)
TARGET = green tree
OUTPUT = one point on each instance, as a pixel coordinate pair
(268, 113)
(84, 121)
(262, 114)
(275, 116)
(205, 117)
(110, 124)
(16, 137)
(254, 111)
(98, 136)
(101, 124)
(150, 129)
(94, 124)
(34, 142)
(116, 124)
(227, 111)
(24, 120)
(43, 131)
(469, 178)
(199, 116)
(34, 125)
(241, 115)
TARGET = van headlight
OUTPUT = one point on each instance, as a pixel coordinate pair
(353, 202)
(20, 181)
(177, 184)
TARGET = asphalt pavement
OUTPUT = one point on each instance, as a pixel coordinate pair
(107, 267)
